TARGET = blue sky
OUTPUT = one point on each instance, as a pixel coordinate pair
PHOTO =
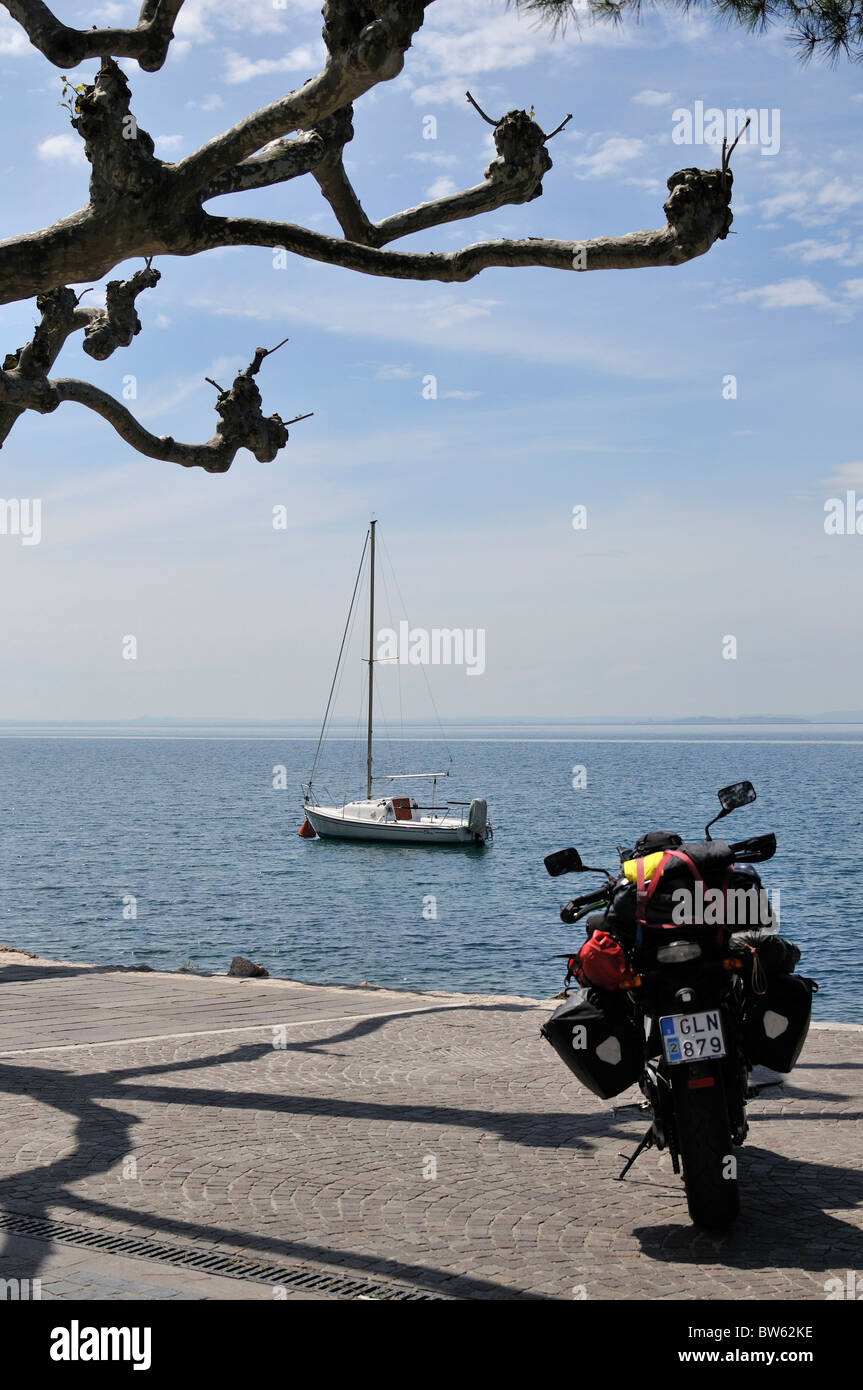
(705, 515)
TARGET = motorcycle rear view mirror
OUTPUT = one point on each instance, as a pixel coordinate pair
(737, 795)
(563, 861)
(731, 798)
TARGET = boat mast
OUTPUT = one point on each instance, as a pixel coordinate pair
(371, 658)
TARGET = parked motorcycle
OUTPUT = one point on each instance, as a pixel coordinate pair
(685, 986)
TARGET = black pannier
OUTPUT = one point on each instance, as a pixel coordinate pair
(595, 1035)
(777, 1021)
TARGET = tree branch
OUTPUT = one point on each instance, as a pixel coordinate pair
(514, 176)
(242, 424)
(276, 163)
(366, 45)
(62, 314)
(697, 209)
(148, 43)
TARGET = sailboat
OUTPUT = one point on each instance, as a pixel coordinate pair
(388, 818)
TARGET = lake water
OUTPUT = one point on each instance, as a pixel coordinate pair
(188, 824)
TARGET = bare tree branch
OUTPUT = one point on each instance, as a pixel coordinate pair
(336, 130)
(276, 163)
(141, 206)
(366, 44)
(242, 424)
(63, 314)
(148, 43)
(697, 210)
(514, 176)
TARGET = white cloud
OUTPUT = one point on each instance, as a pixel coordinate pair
(240, 69)
(651, 98)
(846, 475)
(441, 187)
(200, 20)
(811, 251)
(390, 372)
(428, 322)
(166, 143)
(787, 294)
(61, 149)
(610, 158)
(804, 197)
(428, 157)
(209, 103)
(464, 41)
(458, 395)
(13, 40)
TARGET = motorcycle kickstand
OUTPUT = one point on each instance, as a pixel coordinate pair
(752, 1092)
(646, 1143)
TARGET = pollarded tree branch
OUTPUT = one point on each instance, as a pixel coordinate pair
(142, 206)
(147, 43)
(120, 152)
(276, 163)
(63, 314)
(242, 424)
(697, 209)
(513, 176)
(366, 42)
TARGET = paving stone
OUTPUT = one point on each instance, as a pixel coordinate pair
(156, 1105)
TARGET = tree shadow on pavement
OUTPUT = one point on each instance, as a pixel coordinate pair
(104, 1138)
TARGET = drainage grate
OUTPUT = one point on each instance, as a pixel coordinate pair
(302, 1278)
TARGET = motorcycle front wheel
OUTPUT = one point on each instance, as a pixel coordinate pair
(704, 1146)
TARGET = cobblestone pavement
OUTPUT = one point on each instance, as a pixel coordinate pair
(431, 1140)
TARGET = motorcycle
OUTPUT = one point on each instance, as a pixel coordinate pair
(678, 999)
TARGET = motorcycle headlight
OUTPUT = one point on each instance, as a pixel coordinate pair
(676, 952)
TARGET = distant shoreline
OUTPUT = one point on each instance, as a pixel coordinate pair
(144, 724)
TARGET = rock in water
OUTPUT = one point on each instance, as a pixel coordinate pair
(247, 969)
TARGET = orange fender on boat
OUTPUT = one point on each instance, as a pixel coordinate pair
(307, 830)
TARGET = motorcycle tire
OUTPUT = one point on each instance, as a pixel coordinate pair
(704, 1145)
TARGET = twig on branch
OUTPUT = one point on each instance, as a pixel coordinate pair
(260, 353)
(727, 153)
(478, 108)
(559, 128)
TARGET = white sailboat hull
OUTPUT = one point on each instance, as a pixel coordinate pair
(333, 823)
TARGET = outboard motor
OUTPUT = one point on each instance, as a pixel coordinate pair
(477, 818)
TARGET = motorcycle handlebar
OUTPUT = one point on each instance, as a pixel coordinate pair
(568, 913)
(754, 850)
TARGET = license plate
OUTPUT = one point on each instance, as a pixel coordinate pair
(692, 1037)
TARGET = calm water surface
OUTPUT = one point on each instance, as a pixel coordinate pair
(192, 828)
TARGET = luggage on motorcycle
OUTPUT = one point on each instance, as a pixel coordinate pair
(747, 904)
(596, 1036)
(776, 1022)
(654, 840)
(600, 962)
(681, 885)
(766, 953)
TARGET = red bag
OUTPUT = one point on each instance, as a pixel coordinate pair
(600, 962)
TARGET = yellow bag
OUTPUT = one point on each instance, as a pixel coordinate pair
(630, 866)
